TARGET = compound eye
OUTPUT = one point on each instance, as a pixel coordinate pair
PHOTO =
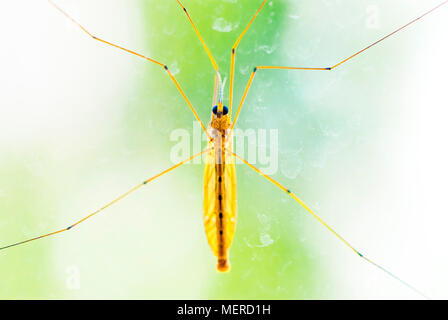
(225, 110)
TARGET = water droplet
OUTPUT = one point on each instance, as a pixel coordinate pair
(265, 240)
(222, 25)
(174, 68)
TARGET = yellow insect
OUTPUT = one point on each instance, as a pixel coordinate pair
(220, 184)
(219, 204)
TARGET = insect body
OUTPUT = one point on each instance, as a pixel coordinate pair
(220, 185)
(220, 203)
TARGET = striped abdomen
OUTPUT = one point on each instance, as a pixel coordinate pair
(220, 203)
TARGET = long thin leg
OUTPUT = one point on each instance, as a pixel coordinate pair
(307, 208)
(327, 68)
(366, 48)
(246, 90)
(232, 60)
(390, 34)
(200, 37)
(139, 55)
(109, 204)
(251, 79)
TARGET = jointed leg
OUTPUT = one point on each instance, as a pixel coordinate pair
(366, 48)
(309, 210)
(200, 37)
(232, 60)
(325, 68)
(390, 34)
(141, 56)
(246, 90)
(109, 204)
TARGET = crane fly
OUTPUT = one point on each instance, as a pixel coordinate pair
(220, 194)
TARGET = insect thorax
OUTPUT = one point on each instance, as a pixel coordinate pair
(220, 138)
(220, 124)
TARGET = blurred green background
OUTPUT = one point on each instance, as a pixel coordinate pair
(83, 122)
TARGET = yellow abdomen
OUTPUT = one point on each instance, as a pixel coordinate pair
(220, 204)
